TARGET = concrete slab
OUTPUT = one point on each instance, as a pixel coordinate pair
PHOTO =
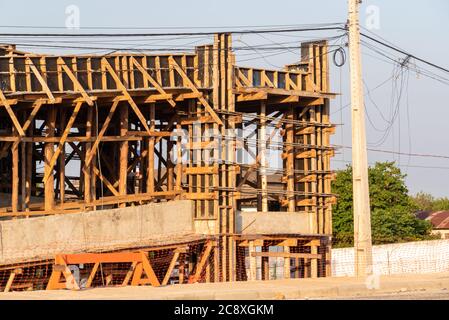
(43, 237)
(273, 222)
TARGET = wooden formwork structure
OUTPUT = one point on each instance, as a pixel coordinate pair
(85, 132)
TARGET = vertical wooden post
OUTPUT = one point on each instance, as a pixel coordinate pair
(182, 260)
(297, 268)
(23, 165)
(87, 167)
(123, 159)
(29, 169)
(170, 167)
(265, 265)
(290, 161)
(15, 175)
(252, 261)
(314, 262)
(48, 154)
(62, 124)
(263, 159)
(179, 160)
(151, 140)
(287, 263)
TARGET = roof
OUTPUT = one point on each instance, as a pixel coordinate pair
(438, 219)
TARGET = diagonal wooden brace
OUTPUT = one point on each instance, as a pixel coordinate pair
(105, 126)
(125, 92)
(155, 84)
(11, 114)
(190, 84)
(62, 141)
(40, 79)
(76, 84)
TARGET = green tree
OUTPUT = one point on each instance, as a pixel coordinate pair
(426, 202)
(392, 211)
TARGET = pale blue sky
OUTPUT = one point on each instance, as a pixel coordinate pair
(420, 27)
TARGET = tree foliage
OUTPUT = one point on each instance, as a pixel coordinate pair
(426, 202)
(392, 210)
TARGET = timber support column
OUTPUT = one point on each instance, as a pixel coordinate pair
(15, 175)
(123, 159)
(263, 159)
(290, 160)
(87, 168)
(49, 150)
(151, 140)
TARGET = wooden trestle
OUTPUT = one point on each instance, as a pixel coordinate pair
(86, 132)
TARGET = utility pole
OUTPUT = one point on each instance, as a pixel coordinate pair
(361, 202)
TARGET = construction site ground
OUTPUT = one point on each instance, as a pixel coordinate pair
(399, 286)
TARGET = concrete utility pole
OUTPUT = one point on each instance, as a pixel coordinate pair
(361, 202)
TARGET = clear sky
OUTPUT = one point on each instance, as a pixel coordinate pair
(420, 27)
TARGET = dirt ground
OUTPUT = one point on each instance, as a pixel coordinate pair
(412, 286)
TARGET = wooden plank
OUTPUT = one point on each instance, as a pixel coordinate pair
(105, 126)
(11, 114)
(110, 257)
(149, 78)
(151, 143)
(189, 83)
(40, 79)
(201, 170)
(252, 261)
(170, 268)
(286, 255)
(149, 270)
(106, 182)
(122, 87)
(48, 155)
(129, 274)
(76, 84)
(199, 196)
(11, 278)
(202, 263)
(15, 176)
(64, 136)
(92, 274)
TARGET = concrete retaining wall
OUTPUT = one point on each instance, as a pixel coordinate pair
(272, 222)
(398, 258)
(42, 237)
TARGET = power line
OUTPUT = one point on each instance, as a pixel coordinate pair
(174, 27)
(405, 53)
(155, 34)
(406, 166)
(400, 153)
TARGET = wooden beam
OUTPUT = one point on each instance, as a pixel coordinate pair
(11, 114)
(12, 275)
(122, 87)
(190, 84)
(92, 274)
(149, 78)
(170, 268)
(286, 255)
(149, 270)
(76, 84)
(101, 133)
(106, 182)
(48, 155)
(62, 141)
(40, 79)
(201, 264)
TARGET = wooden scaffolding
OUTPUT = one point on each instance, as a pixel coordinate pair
(86, 132)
